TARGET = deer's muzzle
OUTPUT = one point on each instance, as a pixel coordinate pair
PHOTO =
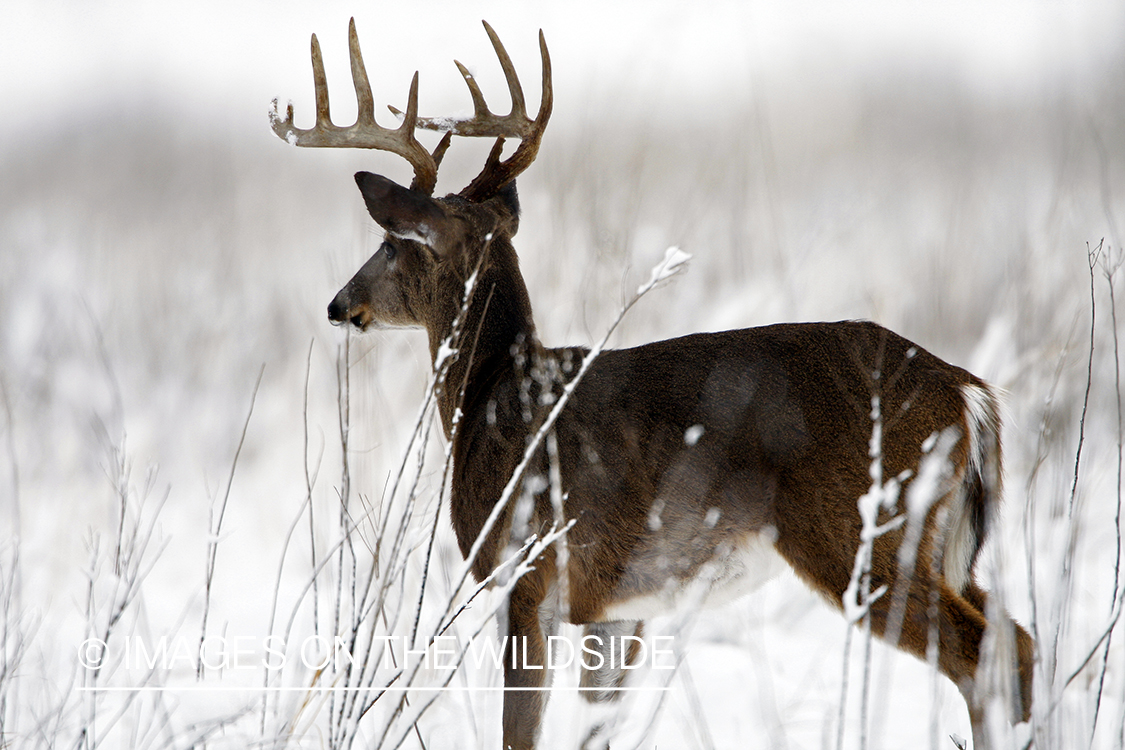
(341, 312)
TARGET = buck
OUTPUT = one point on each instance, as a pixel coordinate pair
(689, 467)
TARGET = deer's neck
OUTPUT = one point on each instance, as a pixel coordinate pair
(494, 329)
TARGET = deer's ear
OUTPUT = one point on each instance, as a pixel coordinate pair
(401, 211)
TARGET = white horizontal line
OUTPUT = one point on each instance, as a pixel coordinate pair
(390, 689)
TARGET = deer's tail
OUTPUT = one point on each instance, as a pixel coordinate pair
(976, 499)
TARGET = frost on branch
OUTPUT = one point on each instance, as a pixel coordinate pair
(673, 262)
(858, 596)
(447, 350)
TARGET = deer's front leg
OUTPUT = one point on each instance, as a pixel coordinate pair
(525, 667)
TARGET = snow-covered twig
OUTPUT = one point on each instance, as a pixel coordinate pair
(882, 495)
(858, 596)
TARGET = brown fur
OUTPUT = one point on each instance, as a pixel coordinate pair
(786, 417)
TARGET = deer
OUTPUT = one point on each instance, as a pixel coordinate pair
(691, 467)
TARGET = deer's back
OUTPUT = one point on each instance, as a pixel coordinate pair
(762, 399)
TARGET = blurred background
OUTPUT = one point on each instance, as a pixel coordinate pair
(942, 168)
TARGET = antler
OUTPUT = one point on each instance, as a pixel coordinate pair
(485, 123)
(365, 133)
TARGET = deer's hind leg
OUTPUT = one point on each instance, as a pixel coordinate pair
(1021, 658)
(958, 621)
(922, 609)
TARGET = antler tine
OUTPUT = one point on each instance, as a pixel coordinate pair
(410, 119)
(364, 100)
(441, 148)
(365, 133)
(480, 107)
(518, 111)
(320, 85)
(425, 168)
(547, 101)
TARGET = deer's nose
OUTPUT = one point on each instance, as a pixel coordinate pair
(338, 310)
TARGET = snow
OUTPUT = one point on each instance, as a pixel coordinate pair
(673, 262)
(924, 166)
(712, 517)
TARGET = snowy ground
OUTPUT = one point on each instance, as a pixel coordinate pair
(942, 171)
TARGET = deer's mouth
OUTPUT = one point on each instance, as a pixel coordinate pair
(361, 319)
(359, 316)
